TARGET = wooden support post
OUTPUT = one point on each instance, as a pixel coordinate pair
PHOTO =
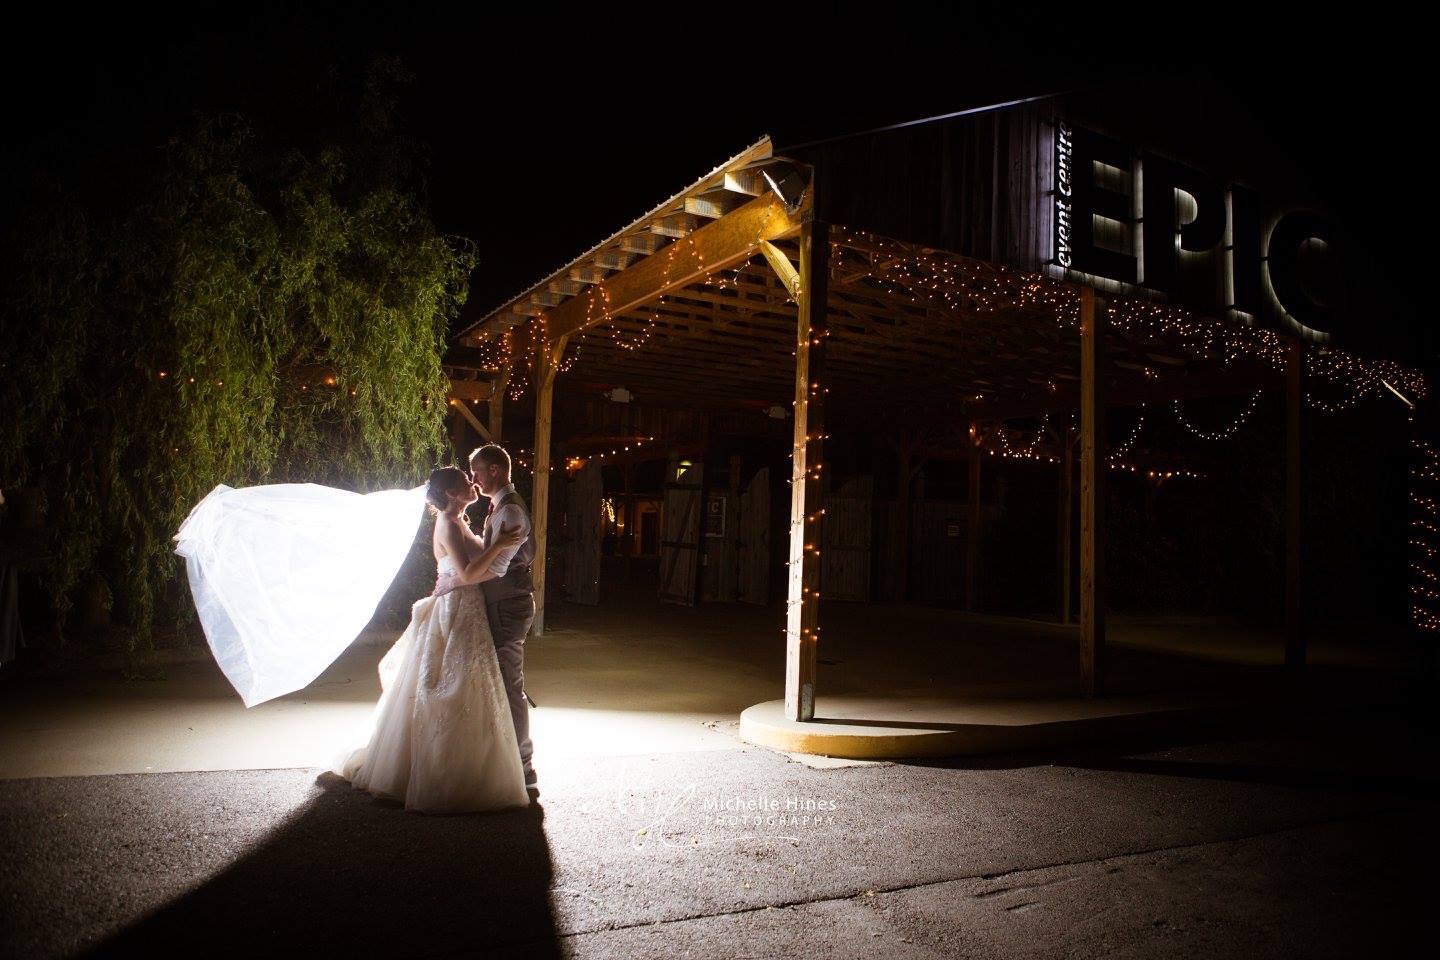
(547, 359)
(972, 517)
(497, 401)
(1294, 613)
(902, 519)
(1066, 519)
(802, 613)
(1092, 494)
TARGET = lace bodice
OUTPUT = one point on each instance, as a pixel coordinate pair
(446, 570)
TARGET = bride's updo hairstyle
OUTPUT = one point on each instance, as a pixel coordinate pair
(443, 480)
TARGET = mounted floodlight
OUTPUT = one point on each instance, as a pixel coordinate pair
(789, 183)
(777, 412)
(619, 395)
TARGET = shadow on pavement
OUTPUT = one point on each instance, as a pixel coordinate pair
(352, 874)
(1333, 752)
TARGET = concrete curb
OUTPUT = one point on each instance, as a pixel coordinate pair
(849, 734)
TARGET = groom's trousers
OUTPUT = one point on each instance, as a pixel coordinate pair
(510, 621)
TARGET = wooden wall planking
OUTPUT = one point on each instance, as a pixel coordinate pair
(845, 557)
(754, 544)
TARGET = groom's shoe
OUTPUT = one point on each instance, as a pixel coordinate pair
(530, 785)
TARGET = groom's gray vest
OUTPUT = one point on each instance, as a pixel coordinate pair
(515, 581)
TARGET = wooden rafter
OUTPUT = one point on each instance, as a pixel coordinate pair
(731, 239)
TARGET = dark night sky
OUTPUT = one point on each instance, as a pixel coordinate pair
(550, 133)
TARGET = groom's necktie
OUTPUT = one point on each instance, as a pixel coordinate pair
(485, 527)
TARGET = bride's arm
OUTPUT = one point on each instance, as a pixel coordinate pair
(473, 543)
(478, 569)
(451, 536)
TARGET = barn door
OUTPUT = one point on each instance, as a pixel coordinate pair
(849, 513)
(755, 539)
(680, 533)
(582, 567)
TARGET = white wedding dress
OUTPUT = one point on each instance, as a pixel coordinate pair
(442, 739)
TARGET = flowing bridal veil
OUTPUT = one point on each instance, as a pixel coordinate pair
(286, 575)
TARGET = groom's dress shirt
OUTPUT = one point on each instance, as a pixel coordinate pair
(509, 515)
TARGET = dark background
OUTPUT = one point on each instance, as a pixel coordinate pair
(551, 129)
(547, 131)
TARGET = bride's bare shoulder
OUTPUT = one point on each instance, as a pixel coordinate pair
(447, 536)
(437, 537)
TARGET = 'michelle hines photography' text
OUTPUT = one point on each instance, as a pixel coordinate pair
(768, 811)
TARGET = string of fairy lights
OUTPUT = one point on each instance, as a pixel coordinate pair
(1004, 449)
(1335, 381)
(1122, 450)
(1224, 433)
(1424, 533)
(524, 456)
(964, 285)
(1117, 455)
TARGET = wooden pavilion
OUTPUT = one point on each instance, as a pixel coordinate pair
(916, 283)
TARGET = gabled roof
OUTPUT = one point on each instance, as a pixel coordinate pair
(728, 185)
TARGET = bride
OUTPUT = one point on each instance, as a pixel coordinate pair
(442, 737)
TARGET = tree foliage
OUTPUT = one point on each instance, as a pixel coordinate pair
(241, 304)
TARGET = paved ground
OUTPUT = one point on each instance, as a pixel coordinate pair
(128, 824)
(1287, 844)
(633, 677)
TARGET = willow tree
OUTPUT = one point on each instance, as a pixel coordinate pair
(242, 306)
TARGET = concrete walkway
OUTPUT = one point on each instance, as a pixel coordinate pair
(1305, 843)
(661, 834)
(639, 678)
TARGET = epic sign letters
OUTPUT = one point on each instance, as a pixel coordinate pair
(1143, 219)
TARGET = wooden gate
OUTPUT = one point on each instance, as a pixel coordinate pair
(754, 543)
(680, 533)
(845, 541)
(582, 567)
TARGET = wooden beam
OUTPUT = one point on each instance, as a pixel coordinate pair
(677, 225)
(643, 244)
(1092, 495)
(745, 182)
(472, 420)
(715, 246)
(614, 259)
(802, 612)
(1294, 584)
(972, 519)
(782, 266)
(540, 491)
(471, 389)
(712, 205)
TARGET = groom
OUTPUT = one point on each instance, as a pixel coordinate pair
(509, 594)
